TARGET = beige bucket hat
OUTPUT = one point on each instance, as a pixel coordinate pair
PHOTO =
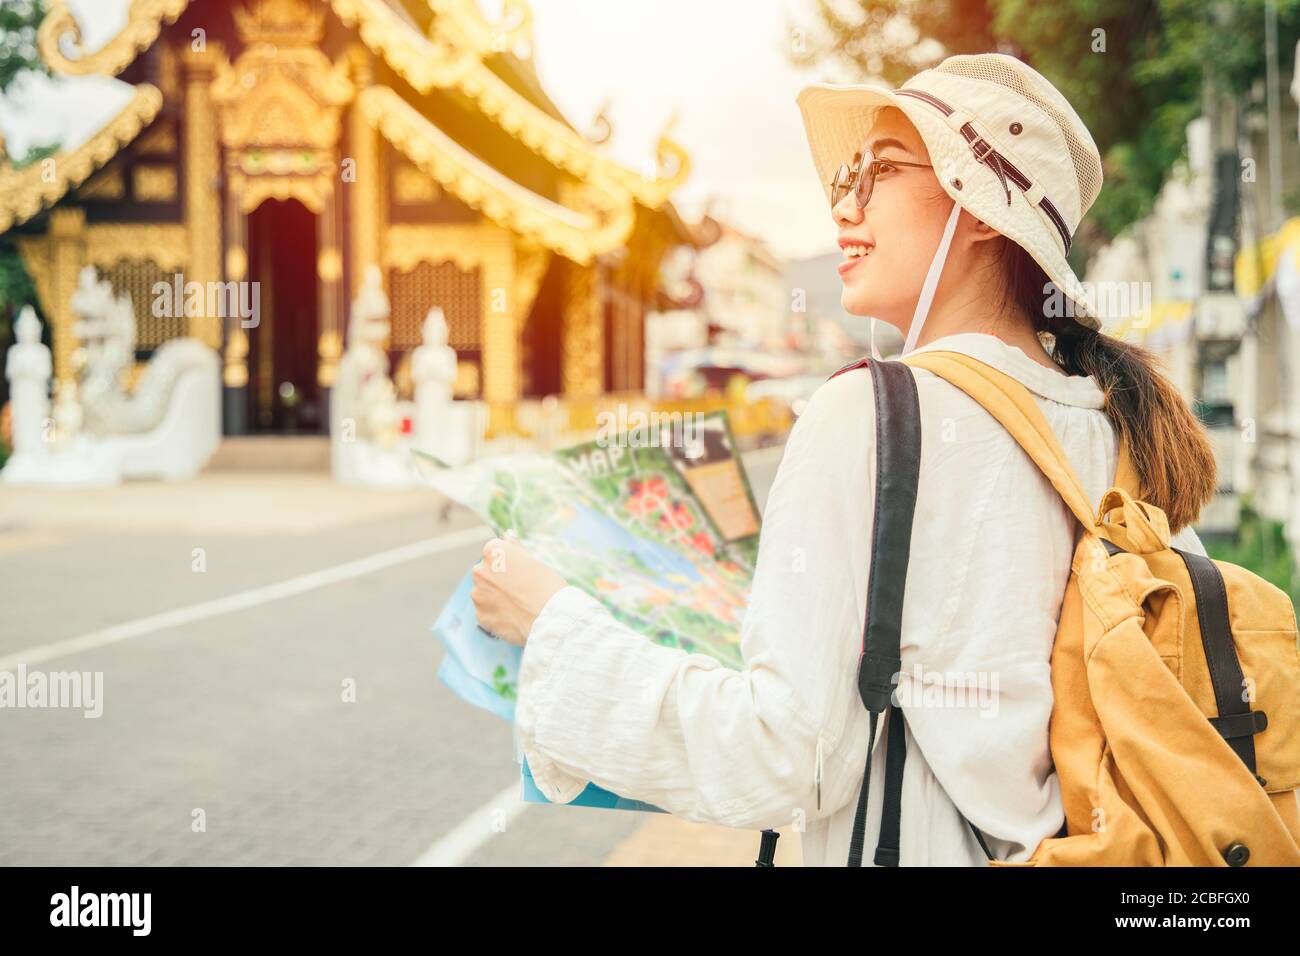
(1005, 144)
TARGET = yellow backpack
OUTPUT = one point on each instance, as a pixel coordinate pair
(1176, 679)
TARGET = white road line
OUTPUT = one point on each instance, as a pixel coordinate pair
(478, 828)
(245, 599)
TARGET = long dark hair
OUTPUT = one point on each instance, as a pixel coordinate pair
(1168, 445)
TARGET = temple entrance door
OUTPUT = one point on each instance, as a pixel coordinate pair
(283, 394)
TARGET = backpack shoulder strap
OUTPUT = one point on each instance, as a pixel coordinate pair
(898, 469)
(1015, 409)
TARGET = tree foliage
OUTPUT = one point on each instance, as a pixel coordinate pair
(18, 22)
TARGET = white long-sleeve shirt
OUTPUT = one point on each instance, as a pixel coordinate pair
(783, 741)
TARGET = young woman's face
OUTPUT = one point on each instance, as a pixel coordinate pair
(901, 227)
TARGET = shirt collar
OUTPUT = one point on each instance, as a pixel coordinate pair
(1079, 390)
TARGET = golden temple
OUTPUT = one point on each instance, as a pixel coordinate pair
(296, 143)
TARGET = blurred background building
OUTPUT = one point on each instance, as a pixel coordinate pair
(294, 144)
(1219, 253)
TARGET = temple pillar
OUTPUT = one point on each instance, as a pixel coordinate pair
(500, 352)
(330, 308)
(234, 373)
(365, 195)
(583, 348)
(202, 186)
(67, 237)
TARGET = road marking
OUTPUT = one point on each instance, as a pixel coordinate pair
(246, 599)
(475, 830)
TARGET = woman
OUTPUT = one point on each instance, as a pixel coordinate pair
(955, 216)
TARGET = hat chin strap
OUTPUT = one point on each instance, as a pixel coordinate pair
(927, 289)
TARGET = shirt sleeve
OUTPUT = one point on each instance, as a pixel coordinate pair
(782, 739)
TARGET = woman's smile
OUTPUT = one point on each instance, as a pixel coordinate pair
(854, 252)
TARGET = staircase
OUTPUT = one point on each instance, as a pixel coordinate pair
(309, 453)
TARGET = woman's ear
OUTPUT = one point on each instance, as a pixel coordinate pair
(980, 231)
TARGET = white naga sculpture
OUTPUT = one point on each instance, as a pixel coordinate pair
(167, 427)
(105, 328)
(433, 370)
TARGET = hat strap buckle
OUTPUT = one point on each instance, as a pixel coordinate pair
(975, 148)
(990, 157)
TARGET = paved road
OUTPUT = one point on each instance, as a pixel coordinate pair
(230, 732)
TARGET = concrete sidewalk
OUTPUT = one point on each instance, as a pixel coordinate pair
(228, 502)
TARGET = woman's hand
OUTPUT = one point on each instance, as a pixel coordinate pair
(510, 589)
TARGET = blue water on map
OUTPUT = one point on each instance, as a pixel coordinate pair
(600, 534)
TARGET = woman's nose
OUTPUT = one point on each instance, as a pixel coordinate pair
(847, 210)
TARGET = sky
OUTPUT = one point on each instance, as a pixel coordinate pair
(720, 66)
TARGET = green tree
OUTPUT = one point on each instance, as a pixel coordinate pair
(19, 20)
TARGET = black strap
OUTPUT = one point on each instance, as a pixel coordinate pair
(891, 812)
(859, 838)
(1236, 722)
(887, 846)
(898, 471)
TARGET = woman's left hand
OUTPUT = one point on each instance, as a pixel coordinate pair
(510, 589)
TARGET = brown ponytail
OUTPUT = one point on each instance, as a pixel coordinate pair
(1168, 445)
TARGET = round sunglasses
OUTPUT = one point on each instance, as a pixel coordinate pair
(861, 177)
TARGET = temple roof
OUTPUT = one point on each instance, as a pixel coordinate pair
(444, 46)
(25, 191)
(580, 236)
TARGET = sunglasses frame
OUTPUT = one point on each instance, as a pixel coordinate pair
(863, 174)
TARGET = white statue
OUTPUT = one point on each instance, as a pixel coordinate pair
(433, 370)
(380, 414)
(365, 400)
(28, 369)
(67, 414)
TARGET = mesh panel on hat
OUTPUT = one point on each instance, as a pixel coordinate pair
(1014, 75)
